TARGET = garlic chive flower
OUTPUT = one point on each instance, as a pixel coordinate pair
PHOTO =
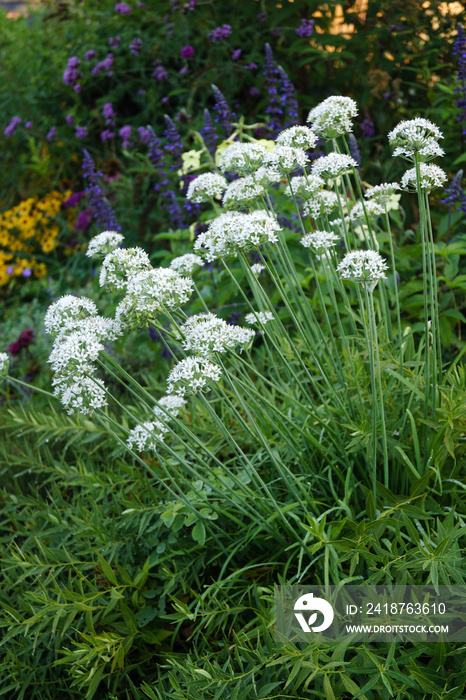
(79, 393)
(67, 314)
(320, 241)
(120, 266)
(205, 334)
(382, 193)
(191, 375)
(257, 268)
(233, 231)
(373, 210)
(243, 158)
(4, 364)
(297, 137)
(431, 177)
(159, 288)
(419, 136)
(286, 159)
(206, 187)
(242, 193)
(332, 117)
(168, 406)
(259, 318)
(332, 166)
(365, 267)
(103, 244)
(304, 187)
(185, 264)
(321, 204)
(147, 435)
(265, 175)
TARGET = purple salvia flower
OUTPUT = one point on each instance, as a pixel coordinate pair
(28, 125)
(135, 46)
(250, 66)
(176, 213)
(108, 114)
(104, 65)
(9, 130)
(306, 28)
(235, 55)
(90, 54)
(367, 129)
(288, 98)
(188, 7)
(209, 134)
(455, 193)
(224, 114)
(73, 200)
(114, 41)
(271, 80)
(144, 134)
(80, 132)
(71, 74)
(125, 134)
(52, 133)
(107, 135)
(77, 88)
(122, 8)
(160, 73)
(219, 33)
(354, 149)
(69, 119)
(174, 143)
(84, 220)
(459, 50)
(103, 212)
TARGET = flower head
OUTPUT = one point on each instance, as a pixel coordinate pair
(321, 203)
(416, 136)
(4, 364)
(242, 192)
(123, 8)
(147, 435)
(304, 187)
(365, 267)
(332, 117)
(168, 406)
(332, 166)
(187, 52)
(121, 265)
(431, 177)
(219, 33)
(297, 137)
(205, 334)
(103, 244)
(372, 209)
(286, 159)
(67, 314)
(243, 158)
(206, 187)
(185, 264)
(259, 318)
(382, 193)
(320, 241)
(191, 375)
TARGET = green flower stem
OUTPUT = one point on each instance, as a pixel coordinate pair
(397, 297)
(381, 395)
(436, 313)
(201, 299)
(370, 351)
(29, 386)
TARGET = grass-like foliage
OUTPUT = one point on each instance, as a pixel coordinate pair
(320, 442)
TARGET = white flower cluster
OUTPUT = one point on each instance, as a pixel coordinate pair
(382, 193)
(243, 158)
(419, 136)
(147, 436)
(206, 333)
(266, 174)
(259, 318)
(67, 314)
(320, 204)
(185, 264)
(103, 244)
(297, 137)
(74, 352)
(332, 166)
(373, 210)
(242, 192)
(192, 375)
(206, 187)
(233, 231)
(285, 159)
(4, 364)
(304, 186)
(320, 241)
(121, 265)
(431, 177)
(363, 266)
(332, 117)
(150, 292)
(257, 268)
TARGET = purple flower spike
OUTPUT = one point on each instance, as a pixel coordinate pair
(224, 114)
(90, 54)
(125, 134)
(306, 28)
(235, 55)
(135, 46)
(106, 135)
(219, 33)
(367, 129)
(9, 130)
(122, 8)
(208, 133)
(114, 41)
(103, 212)
(80, 132)
(52, 133)
(272, 75)
(288, 98)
